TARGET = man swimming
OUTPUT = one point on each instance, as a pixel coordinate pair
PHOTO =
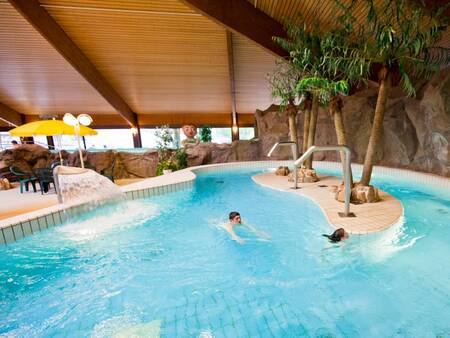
(235, 219)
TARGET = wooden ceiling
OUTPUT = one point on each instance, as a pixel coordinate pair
(163, 58)
(34, 78)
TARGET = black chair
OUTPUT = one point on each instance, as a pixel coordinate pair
(24, 179)
(45, 178)
(55, 163)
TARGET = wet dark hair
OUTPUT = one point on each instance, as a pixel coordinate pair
(233, 214)
(14, 142)
(336, 236)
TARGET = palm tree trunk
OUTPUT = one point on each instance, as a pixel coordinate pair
(336, 111)
(292, 115)
(307, 119)
(312, 128)
(293, 130)
(377, 129)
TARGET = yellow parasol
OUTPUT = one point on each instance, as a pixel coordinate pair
(49, 128)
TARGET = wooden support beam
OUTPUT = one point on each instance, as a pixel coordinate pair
(51, 142)
(137, 139)
(234, 115)
(37, 16)
(10, 116)
(242, 17)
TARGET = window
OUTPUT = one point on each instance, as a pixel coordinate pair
(110, 139)
(246, 133)
(221, 135)
(41, 140)
(67, 142)
(149, 139)
(5, 140)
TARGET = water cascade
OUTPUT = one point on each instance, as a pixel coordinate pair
(78, 186)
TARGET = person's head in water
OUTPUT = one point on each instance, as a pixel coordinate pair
(338, 235)
(14, 143)
(235, 217)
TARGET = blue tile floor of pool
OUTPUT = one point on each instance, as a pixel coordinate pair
(164, 265)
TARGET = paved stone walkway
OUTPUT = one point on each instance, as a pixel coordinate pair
(370, 217)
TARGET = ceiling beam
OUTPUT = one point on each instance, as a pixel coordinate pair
(231, 74)
(242, 17)
(37, 16)
(10, 116)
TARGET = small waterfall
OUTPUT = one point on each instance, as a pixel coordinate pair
(78, 186)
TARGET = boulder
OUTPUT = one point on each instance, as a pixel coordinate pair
(135, 165)
(359, 194)
(282, 171)
(304, 176)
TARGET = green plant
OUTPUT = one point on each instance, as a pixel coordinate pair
(181, 158)
(165, 153)
(166, 165)
(283, 81)
(205, 134)
(303, 45)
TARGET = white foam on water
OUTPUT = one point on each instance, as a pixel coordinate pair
(388, 243)
(124, 215)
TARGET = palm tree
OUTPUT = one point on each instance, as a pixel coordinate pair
(402, 38)
(303, 46)
(283, 81)
(329, 93)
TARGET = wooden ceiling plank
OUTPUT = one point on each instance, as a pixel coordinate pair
(38, 17)
(10, 116)
(242, 17)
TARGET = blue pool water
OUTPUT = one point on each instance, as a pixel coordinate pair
(165, 264)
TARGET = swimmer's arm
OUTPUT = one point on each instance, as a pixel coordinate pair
(234, 237)
(261, 234)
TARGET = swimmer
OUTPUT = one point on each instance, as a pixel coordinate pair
(234, 220)
(337, 236)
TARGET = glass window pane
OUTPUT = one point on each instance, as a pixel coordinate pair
(149, 139)
(246, 133)
(41, 140)
(221, 135)
(110, 139)
(67, 142)
(5, 140)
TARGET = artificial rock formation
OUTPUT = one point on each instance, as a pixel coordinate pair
(416, 131)
(111, 163)
(207, 153)
(304, 175)
(282, 171)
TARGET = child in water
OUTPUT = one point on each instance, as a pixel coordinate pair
(337, 236)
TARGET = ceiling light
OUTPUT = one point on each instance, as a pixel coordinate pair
(84, 119)
(70, 119)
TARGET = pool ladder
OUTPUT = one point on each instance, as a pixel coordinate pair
(346, 167)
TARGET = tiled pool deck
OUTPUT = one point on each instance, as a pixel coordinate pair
(14, 228)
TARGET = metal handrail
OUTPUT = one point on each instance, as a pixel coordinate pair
(294, 152)
(346, 168)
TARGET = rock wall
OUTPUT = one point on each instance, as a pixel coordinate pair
(416, 131)
(111, 163)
